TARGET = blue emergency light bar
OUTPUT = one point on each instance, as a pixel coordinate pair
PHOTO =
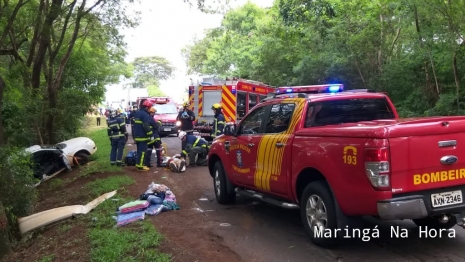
(313, 89)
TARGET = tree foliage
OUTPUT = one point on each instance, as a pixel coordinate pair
(147, 72)
(413, 50)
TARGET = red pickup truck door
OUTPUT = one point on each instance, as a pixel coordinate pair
(243, 147)
(274, 152)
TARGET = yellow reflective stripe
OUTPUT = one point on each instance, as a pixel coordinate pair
(138, 139)
(157, 139)
(122, 124)
(150, 132)
(138, 121)
(151, 142)
(196, 141)
(184, 152)
(120, 135)
(204, 145)
(114, 125)
(216, 125)
(220, 122)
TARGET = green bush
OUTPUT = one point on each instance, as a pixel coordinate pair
(16, 185)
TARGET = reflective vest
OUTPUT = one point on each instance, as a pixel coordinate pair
(116, 128)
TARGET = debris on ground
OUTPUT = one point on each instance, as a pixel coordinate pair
(50, 216)
(156, 199)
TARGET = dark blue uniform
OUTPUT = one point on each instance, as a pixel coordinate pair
(218, 125)
(196, 146)
(142, 134)
(118, 137)
(156, 143)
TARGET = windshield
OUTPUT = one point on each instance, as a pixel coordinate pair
(166, 109)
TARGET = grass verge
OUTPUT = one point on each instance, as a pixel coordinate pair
(135, 242)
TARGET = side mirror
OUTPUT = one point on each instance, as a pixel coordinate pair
(230, 130)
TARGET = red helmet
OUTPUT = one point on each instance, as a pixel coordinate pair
(147, 103)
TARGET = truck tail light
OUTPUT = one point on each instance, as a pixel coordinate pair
(377, 167)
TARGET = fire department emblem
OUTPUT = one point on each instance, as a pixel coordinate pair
(239, 158)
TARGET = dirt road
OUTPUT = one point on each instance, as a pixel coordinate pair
(250, 230)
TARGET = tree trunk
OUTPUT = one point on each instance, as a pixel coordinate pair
(44, 42)
(5, 247)
(53, 87)
(2, 91)
(457, 79)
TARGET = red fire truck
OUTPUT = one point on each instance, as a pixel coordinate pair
(167, 112)
(237, 96)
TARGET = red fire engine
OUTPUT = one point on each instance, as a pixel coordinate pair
(237, 96)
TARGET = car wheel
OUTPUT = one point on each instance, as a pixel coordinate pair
(220, 186)
(81, 158)
(434, 223)
(318, 213)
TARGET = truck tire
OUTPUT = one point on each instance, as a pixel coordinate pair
(434, 223)
(317, 198)
(220, 185)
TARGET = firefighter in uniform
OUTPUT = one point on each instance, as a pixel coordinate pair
(122, 115)
(131, 119)
(196, 147)
(142, 134)
(186, 117)
(155, 143)
(118, 137)
(219, 121)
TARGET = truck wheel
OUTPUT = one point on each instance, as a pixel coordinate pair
(220, 186)
(433, 223)
(318, 213)
(81, 158)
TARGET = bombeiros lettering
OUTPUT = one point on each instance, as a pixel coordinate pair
(365, 234)
(440, 176)
(241, 147)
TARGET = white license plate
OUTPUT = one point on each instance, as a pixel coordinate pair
(167, 129)
(446, 198)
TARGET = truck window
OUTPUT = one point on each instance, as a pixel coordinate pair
(280, 117)
(252, 101)
(240, 102)
(262, 97)
(252, 124)
(347, 111)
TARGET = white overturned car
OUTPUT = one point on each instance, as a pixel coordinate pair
(51, 160)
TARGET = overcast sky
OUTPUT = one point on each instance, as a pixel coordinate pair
(166, 26)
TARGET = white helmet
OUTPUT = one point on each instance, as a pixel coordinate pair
(182, 134)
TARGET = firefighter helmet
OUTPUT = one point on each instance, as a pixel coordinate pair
(185, 104)
(216, 106)
(147, 104)
(182, 134)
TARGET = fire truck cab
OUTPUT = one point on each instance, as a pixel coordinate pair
(237, 97)
(167, 112)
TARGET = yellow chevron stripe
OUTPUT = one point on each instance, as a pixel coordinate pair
(200, 101)
(269, 156)
(230, 100)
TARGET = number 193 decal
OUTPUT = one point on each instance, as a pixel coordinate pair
(350, 155)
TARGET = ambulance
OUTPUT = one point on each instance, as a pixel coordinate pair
(237, 96)
(167, 112)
